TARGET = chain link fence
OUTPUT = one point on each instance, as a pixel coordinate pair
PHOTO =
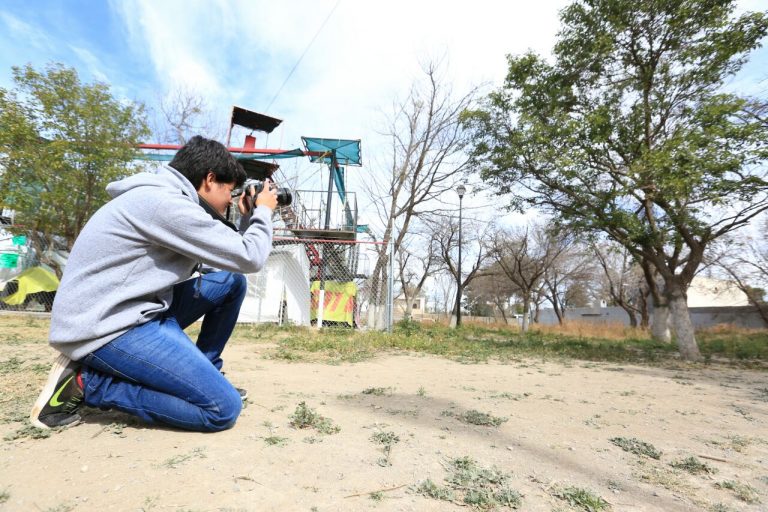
(317, 282)
(309, 282)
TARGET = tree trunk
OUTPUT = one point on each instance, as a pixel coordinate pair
(660, 325)
(681, 319)
(526, 314)
(645, 316)
(558, 311)
(632, 318)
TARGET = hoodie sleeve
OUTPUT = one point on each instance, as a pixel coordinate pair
(184, 227)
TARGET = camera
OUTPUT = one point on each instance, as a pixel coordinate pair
(284, 195)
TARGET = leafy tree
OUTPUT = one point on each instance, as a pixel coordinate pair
(61, 142)
(628, 132)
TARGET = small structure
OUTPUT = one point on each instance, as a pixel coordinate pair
(415, 307)
(709, 292)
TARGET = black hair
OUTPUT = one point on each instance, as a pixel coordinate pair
(199, 156)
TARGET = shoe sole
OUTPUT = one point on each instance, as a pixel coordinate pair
(59, 365)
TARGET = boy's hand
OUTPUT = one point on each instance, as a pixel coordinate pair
(246, 200)
(268, 196)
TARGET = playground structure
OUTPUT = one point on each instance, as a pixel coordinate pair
(314, 274)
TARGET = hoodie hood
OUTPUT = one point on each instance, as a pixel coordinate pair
(161, 177)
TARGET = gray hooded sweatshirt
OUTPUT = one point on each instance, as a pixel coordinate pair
(149, 237)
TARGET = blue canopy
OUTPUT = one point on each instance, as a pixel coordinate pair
(347, 151)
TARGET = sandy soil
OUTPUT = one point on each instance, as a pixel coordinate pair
(561, 417)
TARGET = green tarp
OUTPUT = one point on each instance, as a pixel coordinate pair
(9, 260)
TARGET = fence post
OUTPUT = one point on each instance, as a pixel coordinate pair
(390, 286)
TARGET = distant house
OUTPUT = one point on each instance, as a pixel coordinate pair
(417, 306)
(709, 292)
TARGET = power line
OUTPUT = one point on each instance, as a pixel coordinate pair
(302, 55)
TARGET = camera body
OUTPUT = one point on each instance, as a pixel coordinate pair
(284, 195)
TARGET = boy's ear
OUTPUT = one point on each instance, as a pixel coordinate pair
(207, 182)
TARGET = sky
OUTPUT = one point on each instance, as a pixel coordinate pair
(328, 68)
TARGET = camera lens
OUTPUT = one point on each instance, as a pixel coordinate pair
(284, 196)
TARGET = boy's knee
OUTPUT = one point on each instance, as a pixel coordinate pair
(228, 408)
(239, 285)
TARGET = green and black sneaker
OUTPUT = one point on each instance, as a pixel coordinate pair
(61, 397)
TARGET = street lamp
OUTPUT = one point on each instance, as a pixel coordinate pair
(459, 190)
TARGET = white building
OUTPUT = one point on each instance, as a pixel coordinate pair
(709, 292)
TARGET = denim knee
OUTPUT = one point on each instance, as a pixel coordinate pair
(226, 412)
(239, 286)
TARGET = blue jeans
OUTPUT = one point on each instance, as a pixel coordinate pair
(155, 372)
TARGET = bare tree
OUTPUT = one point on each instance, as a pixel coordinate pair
(492, 286)
(525, 255)
(183, 114)
(416, 262)
(569, 272)
(745, 261)
(474, 245)
(624, 281)
(426, 159)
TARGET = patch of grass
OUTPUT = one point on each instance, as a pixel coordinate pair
(287, 355)
(387, 440)
(375, 391)
(63, 507)
(511, 396)
(4, 496)
(276, 441)
(734, 442)
(481, 487)
(422, 392)
(29, 431)
(12, 365)
(693, 466)
(636, 446)
(434, 491)
(739, 443)
(470, 344)
(470, 484)
(177, 460)
(474, 417)
(744, 492)
(665, 477)
(733, 343)
(377, 496)
(305, 417)
(411, 413)
(476, 343)
(583, 499)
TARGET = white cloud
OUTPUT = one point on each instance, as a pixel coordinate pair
(94, 65)
(22, 31)
(241, 52)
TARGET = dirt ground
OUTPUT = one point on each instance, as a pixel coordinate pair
(557, 423)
